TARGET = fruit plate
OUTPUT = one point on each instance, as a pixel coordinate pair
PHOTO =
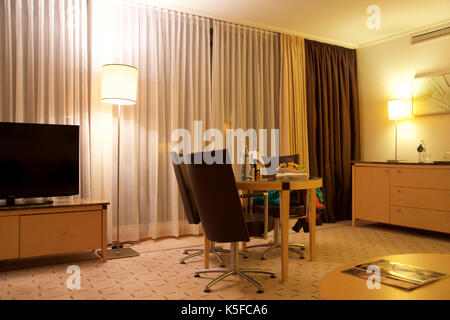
(299, 175)
(286, 170)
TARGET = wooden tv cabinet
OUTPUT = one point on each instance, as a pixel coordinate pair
(61, 227)
(405, 194)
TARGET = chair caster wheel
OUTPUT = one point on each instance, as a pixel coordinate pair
(182, 262)
(185, 252)
(196, 275)
(222, 266)
(245, 257)
(262, 258)
(260, 291)
(302, 248)
(207, 290)
(301, 258)
(272, 276)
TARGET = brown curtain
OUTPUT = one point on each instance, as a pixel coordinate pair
(333, 122)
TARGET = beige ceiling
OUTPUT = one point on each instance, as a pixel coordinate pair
(336, 21)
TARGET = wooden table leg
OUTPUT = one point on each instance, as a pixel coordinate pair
(206, 252)
(245, 203)
(353, 196)
(104, 234)
(284, 221)
(311, 195)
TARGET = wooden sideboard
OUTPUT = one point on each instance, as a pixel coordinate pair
(404, 194)
(61, 227)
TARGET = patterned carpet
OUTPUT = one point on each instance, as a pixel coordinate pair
(157, 274)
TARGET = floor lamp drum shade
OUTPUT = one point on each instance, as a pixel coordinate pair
(399, 110)
(119, 84)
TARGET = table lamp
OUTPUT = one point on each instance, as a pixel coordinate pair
(398, 110)
(119, 86)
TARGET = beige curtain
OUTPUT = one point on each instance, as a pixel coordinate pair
(245, 77)
(293, 116)
(44, 68)
(172, 52)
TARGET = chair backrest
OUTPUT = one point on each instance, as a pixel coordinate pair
(186, 193)
(296, 196)
(217, 198)
(283, 159)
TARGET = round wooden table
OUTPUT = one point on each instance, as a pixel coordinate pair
(340, 286)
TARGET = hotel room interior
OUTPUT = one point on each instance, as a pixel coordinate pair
(328, 123)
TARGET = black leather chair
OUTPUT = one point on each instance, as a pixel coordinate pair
(221, 213)
(191, 210)
(297, 211)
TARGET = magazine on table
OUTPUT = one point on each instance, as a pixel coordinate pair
(397, 274)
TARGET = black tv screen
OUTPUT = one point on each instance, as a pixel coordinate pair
(38, 160)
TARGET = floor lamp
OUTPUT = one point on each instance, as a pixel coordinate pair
(119, 86)
(398, 110)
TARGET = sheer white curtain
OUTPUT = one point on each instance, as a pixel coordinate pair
(51, 56)
(44, 68)
(245, 77)
(172, 52)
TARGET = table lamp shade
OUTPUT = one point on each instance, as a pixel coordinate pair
(119, 84)
(399, 110)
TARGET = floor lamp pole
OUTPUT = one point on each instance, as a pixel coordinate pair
(396, 140)
(118, 252)
(118, 177)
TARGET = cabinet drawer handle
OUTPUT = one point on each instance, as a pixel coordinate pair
(399, 171)
(387, 171)
(399, 210)
(398, 190)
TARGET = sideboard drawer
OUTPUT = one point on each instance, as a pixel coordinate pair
(421, 218)
(9, 238)
(421, 198)
(421, 178)
(59, 233)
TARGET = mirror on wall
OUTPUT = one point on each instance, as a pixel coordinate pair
(431, 94)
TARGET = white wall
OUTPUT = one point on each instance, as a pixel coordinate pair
(386, 71)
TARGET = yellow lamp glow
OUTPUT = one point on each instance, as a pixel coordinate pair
(399, 110)
(119, 84)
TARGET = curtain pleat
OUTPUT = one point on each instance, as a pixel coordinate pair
(293, 113)
(44, 68)
(245, 78)
(333, 122)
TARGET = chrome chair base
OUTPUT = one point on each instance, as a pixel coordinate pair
(293, 247)
(213, 250)
(225, 273)
(229, 272)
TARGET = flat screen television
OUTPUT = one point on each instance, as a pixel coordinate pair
(38, 160)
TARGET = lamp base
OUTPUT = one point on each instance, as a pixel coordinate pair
(121, 253)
